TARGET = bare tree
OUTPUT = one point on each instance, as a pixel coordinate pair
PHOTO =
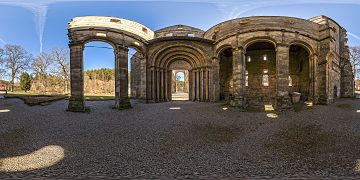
(355, 59)
(41, 66)
(15, 58)
(61, 65)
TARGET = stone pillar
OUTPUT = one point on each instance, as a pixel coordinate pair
(190, 84)
(121, 79)
(201, 76)
(143, 79)
(157, 74)
(313, 62)
(153, 92)
(238, 77)
(169, 81)
(161, 74)
(166, 85)
(206, 77)
(76, 101)
(215, 80)
(198, 84)
(283, 100)
(193, 75)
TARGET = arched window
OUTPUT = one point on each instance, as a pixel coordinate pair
(265, 78)
(246, 78)
(248, 59)
(290, 81)
(265, 57)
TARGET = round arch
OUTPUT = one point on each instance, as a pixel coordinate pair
(120, 34)
(253, 40)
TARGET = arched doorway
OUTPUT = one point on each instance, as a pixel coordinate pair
(260, 74)
(226, 74)
(299, 71)
(99, 71)
(121, 34)
(180, 80)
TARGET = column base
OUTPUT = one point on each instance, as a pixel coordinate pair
(122, 104)
(239, 102)
(283, 102)
(76, 105)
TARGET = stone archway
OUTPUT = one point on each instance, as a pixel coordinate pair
(121, 34)
(180, 89)
(160, 72)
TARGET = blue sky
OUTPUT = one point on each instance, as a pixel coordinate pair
(46, 21)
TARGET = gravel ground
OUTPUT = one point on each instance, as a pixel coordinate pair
(178, 140)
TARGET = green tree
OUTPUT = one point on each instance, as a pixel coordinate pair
(25, 81)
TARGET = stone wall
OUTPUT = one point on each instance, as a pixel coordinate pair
(320, 66)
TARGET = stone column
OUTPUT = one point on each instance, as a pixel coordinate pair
(121, 79)
(162, 85)
(166, 98)
(201, 85)
(238, 77)
(143, 80)
(169, 82)
(312, 63)
(283, 100)
(215, 80)
(206, 77)
(198, 88)
(193, 84)
(153, 95)
(190, 84)
(157, 77)
(76, 101)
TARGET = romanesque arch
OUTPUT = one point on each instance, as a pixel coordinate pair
(292, 55)
(121, 34)
(162, 64)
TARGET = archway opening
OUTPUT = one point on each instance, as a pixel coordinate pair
(225, 74)
(299, 73)
(180, 85)
(99, 71)
(260, 75)
(180, 80)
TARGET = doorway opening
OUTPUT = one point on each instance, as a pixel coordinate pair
(180, 85)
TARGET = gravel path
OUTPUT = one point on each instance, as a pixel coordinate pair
(178, 139)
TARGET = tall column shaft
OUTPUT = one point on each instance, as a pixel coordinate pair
(282, 77)
(76, 101)
(121, 79)
(238, 77)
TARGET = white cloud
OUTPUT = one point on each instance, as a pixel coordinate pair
(2, 41)
(354, 35)
(230, 8)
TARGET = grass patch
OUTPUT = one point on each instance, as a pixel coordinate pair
(302, 140)
(213, 133)
(99, 97)
(35, 99)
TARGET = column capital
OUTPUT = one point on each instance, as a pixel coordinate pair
(74, 44)
(238, 48)
(122, 48)
(284, 45)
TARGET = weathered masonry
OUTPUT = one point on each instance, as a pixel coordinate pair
(246, 61)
